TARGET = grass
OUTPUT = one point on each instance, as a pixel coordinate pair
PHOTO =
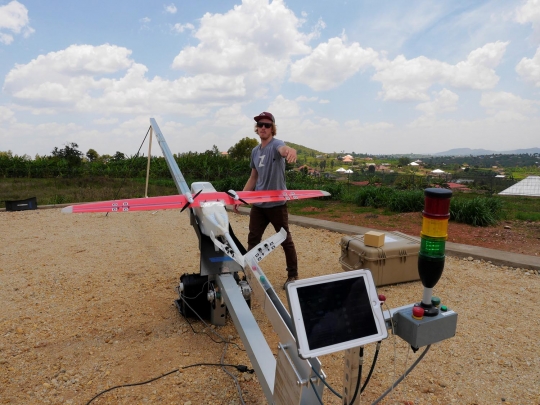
(521, 208)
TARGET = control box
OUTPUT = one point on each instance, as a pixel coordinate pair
(425, 331)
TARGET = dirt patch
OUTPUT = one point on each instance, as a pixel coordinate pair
(87, 304)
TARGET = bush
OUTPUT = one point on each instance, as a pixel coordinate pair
(407, 201)
(375, 197)
(478, 211)
(337, 190)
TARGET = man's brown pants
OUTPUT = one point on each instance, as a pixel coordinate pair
(259, 218)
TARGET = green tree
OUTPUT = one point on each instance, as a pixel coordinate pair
(70, 153)
(92, 155)
(242, 149)
(404, 161)
(118, 156)
(212, 152)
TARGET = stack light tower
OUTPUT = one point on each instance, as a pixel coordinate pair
(432, 247)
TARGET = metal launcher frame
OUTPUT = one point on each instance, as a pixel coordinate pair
(287, 379)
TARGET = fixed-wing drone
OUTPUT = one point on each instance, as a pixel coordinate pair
(208, 207)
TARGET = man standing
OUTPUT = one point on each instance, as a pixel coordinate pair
(268, 173)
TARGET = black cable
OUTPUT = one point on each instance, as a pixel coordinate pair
(372, 367)
(223, 340)
(337, 394)
(403, 376)
(316, 393)
(130, 385)
(361, 361)
(238, 389)
(202, 332)
(240, 367)
(202, 290)
(129, 168)
(183, 298)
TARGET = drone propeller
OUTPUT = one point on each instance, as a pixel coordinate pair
(189, 203)
(233, 194)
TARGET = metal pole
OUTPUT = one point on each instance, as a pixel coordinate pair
(148, 163)
(178, 178)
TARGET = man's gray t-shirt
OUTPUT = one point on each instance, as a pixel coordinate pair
(270, 166)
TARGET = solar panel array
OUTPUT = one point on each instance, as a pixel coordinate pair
(529, 186)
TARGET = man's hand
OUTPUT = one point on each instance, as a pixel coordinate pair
(289, 154)
(233, 194)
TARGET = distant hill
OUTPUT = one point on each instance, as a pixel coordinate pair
(304, 150)
(479, 152)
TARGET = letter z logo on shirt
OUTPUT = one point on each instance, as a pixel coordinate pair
(261, 160)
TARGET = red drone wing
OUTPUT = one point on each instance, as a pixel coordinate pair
(252, 197)
(133, 204)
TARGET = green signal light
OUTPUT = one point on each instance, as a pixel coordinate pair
(432, 247)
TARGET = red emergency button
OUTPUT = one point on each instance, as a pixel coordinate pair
(418, 312)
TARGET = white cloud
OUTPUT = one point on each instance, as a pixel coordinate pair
(444, 101)
(357, 125)
(529, 12)
(104, 79)
(331, 64)
(404, 79)
(304, 98)
(231, 116)
(378, 126)
(179, 28)
(324, 101)
(6, 38)
(255, 39)
(105, 121)
(171, 9)
(6, 114)
(495, 132)
(508, 105)
(283, 108)
(145, 23)
(529, 69)
(14, 18)
(74, 61)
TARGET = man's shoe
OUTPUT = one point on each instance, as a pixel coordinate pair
(291, 279)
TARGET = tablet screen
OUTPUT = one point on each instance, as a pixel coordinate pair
(336, 312)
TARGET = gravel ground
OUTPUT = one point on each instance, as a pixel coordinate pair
(87, 304)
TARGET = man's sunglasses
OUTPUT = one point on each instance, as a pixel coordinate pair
(264, 124)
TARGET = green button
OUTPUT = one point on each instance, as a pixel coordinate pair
(435, 301)
(444, 308)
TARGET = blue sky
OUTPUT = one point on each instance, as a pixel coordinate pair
(356, 76)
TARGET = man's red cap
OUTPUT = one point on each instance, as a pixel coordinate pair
(266, 115)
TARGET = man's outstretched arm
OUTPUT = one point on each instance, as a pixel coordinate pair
(288, 153)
